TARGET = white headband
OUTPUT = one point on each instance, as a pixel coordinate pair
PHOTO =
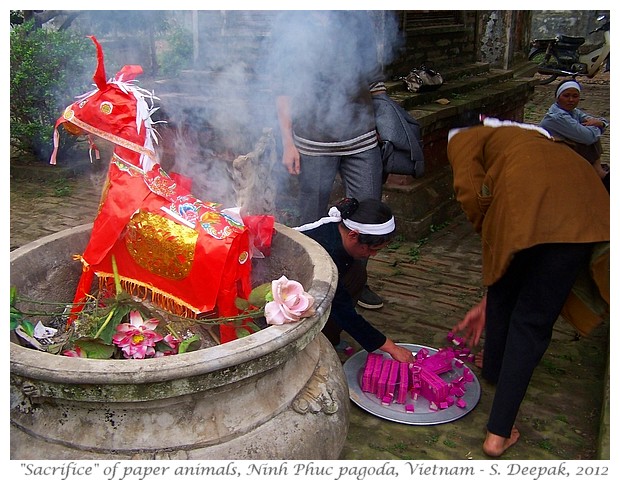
(371, 228)
(496, 123)
(366, 228)
(566, 86)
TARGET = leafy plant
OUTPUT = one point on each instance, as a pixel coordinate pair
(17, 318)
(178, 53)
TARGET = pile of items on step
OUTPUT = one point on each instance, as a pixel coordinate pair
(393, 381)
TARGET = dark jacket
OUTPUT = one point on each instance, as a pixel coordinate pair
(343, 308)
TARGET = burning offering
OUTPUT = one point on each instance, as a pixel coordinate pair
(164, 262)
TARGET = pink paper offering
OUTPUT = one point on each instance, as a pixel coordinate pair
(384, 378)
(392, 379)
(403, 384)
(368, 371)
(396, 382)
(376, 373)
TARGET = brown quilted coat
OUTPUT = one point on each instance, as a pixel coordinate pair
(520, 188)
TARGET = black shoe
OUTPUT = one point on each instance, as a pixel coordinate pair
(369, 299)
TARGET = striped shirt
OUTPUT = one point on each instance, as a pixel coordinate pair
(351, 146)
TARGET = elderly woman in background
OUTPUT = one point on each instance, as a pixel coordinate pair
(582, 131)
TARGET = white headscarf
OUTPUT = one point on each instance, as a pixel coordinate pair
(566, 86)
(367, 228)
(496, 123)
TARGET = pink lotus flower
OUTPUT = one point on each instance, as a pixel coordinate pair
(137, 338)
(290, 302)
(76, 352)
(173, 343)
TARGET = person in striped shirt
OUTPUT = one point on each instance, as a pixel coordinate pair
(327, 70)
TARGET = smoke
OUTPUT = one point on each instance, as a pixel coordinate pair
(221, 106)
(324, 58)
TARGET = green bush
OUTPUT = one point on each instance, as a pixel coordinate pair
(177, 55)
(48, 69)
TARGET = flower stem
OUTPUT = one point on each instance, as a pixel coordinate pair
(241, 316)
(117, 280)
(172, 331)
(105, 324)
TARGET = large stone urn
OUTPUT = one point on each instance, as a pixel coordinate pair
(279, 393)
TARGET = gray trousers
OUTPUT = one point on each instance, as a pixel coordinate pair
(361, 175)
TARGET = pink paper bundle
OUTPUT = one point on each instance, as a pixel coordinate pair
(403, 386)
(434, 388)
(384, 377)
(376, 373)
(369, 370)
(392, 381)
(439, 363)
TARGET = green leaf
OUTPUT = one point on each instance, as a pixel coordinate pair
(95, 348)
(252, 326)
(55, 348)
(242, 332)
(185, 344)
(259, 295)
(16, 317)
(118, 315)
(242, 304)
(28, 327)
(13, 296)
(162, 347)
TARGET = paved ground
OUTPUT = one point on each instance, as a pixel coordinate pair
(427, 286)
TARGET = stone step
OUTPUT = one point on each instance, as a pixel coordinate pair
(452, 88)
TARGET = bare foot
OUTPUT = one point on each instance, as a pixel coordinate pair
(478, 359)
(495, 446)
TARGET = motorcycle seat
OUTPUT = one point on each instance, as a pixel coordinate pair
(543, 41)
(568, 40)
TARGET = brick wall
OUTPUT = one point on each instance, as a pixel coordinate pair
(437, 41)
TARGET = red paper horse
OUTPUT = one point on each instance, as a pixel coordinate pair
(180, 253)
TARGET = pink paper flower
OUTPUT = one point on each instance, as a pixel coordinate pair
(290, 302)
(173, 343)
(76, 352)
(137, 338)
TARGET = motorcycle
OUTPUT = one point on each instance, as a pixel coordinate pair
(561, 56)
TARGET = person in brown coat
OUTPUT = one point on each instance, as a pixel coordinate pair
(543, 216)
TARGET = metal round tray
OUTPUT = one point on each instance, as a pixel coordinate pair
(422, 415)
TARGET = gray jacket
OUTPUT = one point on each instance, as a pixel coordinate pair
(399, 137)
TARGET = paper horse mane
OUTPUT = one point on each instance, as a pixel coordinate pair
(178, 252)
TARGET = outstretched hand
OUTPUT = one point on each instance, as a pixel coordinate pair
(473, 323)
(398, 353)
